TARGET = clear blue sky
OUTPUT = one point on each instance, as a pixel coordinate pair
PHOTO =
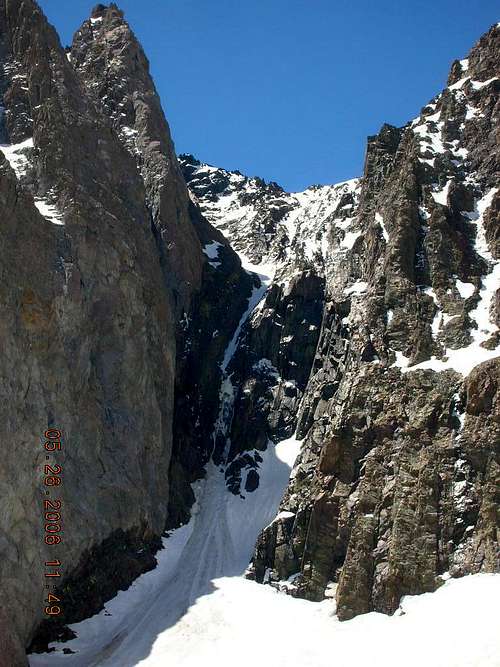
(290, 89)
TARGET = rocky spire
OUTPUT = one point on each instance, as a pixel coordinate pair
(100, 11)
(115, 71)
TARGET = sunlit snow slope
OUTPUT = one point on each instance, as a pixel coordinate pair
(195, 608)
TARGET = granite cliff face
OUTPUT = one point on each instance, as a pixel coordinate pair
(365, 325)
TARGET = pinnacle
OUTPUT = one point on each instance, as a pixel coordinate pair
(101, 10)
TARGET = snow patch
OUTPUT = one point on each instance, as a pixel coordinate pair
(350, 239)
(441, 196)
(458, 84)
(215, 628)
(477, 85)
(465, 290)
(401, 361)
(380, 220)
(207, 556)
(437, 317)
(16, 156)
(49, 211)
(465, 359)
(472, 112)
(265, 365)
(129, 132)
(255, 298)
(211, 250)
(359, 287)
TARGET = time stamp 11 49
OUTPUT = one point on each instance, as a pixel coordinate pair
(52, 517)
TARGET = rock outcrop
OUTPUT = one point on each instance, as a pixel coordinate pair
(208, 296)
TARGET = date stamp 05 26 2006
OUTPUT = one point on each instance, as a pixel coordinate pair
(52, 516)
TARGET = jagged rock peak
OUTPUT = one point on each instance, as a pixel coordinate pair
(100, 11)
(114, 69)
(482, 60)
(392, 490)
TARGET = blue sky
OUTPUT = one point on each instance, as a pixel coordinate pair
(289, 89)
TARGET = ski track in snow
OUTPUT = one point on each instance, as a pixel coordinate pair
(193, 608)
